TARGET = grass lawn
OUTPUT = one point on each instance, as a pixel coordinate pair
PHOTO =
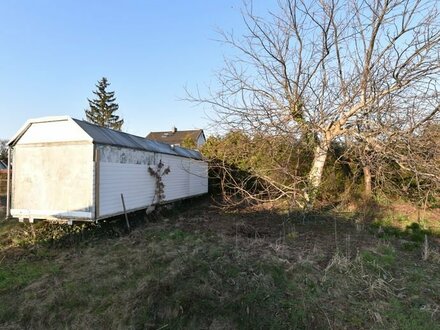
(202, 268)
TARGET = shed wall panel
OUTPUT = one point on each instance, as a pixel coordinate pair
(131, 180)
(113, 154)
(177, 181)
(138, 186)
(198, 175)
(53, 180)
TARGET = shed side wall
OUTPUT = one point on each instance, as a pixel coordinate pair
(177, 181)
(131, 180)
(198, 177)
(124, 171)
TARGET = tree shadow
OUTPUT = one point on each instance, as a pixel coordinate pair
(16, 239)
(270, 226)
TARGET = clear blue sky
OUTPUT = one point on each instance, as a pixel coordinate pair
(53, 52)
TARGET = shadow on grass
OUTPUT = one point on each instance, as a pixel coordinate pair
(386, 223)
(411, 236)
(42, 233)
(199, 215)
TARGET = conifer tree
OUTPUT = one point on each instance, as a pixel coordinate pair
(4, 150)
(102, 109)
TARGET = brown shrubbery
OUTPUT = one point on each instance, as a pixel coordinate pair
(246, 168)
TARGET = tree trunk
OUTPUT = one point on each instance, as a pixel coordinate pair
(367, 182)
(315, 174)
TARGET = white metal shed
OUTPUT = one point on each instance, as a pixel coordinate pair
(68, 169)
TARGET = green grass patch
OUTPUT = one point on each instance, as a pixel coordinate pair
(383, 257)
(17, 275)
(401, 316)
(408, 230)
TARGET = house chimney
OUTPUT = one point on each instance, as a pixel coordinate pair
(174, 129)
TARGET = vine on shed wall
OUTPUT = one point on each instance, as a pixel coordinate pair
(158, 173)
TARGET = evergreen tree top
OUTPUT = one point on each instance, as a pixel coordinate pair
(102, 108)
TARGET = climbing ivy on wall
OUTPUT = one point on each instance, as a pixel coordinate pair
(158, 173)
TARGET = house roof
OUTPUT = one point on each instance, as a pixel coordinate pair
(107, 136)
(175, 137)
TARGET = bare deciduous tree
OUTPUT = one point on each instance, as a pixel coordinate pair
(352, 69)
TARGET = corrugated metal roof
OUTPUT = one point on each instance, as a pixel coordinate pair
(107, 136)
